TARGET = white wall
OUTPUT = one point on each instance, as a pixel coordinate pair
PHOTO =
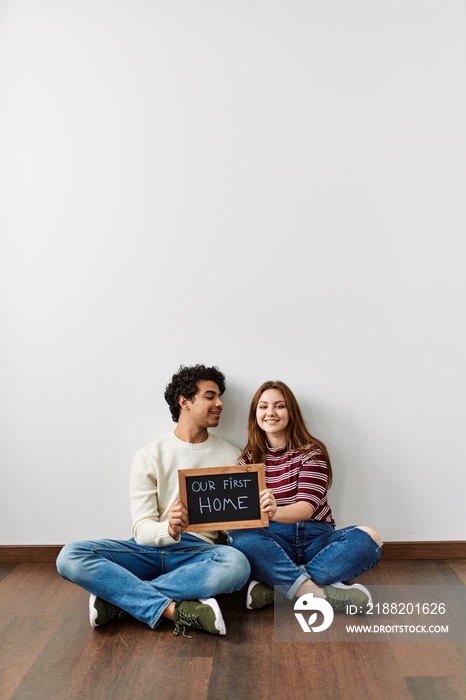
(273, 186)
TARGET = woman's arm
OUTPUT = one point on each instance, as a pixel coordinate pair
(293, 513)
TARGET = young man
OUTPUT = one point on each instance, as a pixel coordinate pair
(163, 571)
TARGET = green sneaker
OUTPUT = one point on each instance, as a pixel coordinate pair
(203, 614)
(340, 595)
(259, 595)
(101, 612)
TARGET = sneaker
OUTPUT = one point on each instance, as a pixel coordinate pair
(259, 595)
(203, 614)
(101, 612)
(339, 595)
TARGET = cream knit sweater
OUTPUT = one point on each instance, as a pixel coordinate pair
(154, 482)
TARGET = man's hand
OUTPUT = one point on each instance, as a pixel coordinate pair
(177, 519)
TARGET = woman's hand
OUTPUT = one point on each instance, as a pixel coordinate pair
(268, 503)
(177, 519)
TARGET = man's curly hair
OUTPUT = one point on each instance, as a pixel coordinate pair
(184, 383)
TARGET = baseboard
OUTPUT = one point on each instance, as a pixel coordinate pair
(26, 553)
(453, 549)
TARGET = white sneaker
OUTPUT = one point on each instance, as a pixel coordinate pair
(259, 595)
(339, 595)
(203, 614)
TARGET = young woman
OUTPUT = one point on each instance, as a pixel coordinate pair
(300, 550)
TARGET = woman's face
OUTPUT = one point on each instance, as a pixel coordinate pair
(273, 417)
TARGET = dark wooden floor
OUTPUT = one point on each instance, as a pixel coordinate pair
(49, 651)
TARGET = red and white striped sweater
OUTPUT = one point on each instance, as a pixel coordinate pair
(293, 476)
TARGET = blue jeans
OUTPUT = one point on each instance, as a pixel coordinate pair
(288, 555)
(145, 580)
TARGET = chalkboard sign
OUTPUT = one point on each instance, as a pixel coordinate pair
(223, 498)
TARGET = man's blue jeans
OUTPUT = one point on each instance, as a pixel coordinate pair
(145, 580)
(288, 555)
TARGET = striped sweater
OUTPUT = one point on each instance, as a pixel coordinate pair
(293, 476)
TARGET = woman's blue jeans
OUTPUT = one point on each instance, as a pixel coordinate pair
(145, 580)
(288, 555)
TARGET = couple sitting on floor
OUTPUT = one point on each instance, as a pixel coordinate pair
(166, 572)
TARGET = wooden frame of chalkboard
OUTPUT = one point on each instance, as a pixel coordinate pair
(223, 498)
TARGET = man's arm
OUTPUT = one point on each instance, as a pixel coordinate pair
(156, 522)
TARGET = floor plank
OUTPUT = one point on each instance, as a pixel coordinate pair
(49, 651)
(432, 688)
(459, 567)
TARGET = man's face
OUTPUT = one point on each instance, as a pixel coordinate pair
(206, 405)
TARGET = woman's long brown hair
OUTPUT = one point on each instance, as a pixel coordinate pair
(298, 436)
